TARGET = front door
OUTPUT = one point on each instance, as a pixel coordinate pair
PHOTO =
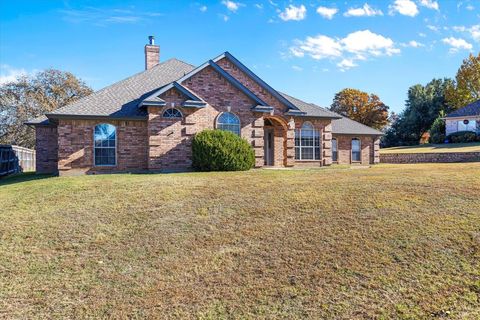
(268, 146)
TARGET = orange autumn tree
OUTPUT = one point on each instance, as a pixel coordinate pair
(362, 107)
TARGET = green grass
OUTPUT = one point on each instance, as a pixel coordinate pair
(388, 242)
(433, 148)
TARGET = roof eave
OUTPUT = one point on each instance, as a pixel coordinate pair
(93, 117)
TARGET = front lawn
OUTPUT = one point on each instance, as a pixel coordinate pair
(392, 241)
(434, 148)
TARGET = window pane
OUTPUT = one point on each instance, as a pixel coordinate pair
(317, 153)
(229, 122)
(307, 153)
(355, 145)
(297, 153)
(355, 156)
(104, 142)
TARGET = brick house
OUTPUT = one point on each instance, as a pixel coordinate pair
(464, 119)
(146, 122)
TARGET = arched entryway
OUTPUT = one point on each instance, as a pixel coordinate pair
(275, 141)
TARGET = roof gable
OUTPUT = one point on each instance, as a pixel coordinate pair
(237, 84)
(155, 100)
(256, 78)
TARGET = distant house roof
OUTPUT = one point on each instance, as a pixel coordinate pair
(473, 109)
(121, 100)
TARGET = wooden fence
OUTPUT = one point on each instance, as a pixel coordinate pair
(15, 159)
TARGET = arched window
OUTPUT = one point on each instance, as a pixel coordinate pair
(356, 150)
(172, 113)
(229, 122)
(334, 150)
(105, 145)
(307, 143)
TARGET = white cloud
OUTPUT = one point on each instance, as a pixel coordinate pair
(430, 4)
(433, 28)
(293, 13)
(413, 44)
(470, 7)
(203, 8)
(318, 47)
(258, 5)
(356, 46)
(327, 13)
(346, 64)
(404, 7)
(231, 5)
(224, 17)
(473, 31)
(10, 74)
(421, 34)
(297, 68)
(457, 44)
(365, 11)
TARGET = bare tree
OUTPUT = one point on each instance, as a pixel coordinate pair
(31, 96)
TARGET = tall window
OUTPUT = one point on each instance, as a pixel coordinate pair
(229, 122)
(356, 150)
(334, 150)
(172, 113)
(105, 138)
(307, 143)
(467, 125)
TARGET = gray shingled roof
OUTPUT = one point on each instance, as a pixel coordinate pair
(473, 109)
(349, 126)
(121, 99)
(312, 110)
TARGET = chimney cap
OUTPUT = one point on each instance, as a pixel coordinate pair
(151, 40)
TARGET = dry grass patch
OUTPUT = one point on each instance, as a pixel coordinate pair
(393, 241)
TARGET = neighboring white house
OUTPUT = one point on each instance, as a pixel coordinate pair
(464, 119)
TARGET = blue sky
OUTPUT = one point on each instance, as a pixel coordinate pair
(309, 49)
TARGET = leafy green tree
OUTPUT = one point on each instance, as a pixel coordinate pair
(30, 97)
(466, 87)
(437, 130)
(423, 106)
(362, 107)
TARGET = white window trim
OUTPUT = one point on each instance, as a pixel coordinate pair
(163, 113)
(236, 116)
(351, 150)
(116, 147)
(314, 147)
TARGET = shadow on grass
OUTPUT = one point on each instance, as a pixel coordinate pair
(23, 177)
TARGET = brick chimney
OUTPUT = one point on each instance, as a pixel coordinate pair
(152, 53)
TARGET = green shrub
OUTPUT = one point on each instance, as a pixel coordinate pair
(437, 131)
(218, 150)
(463, 136)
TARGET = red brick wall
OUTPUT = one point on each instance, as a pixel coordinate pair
(75, 141)
(368, 155)
(253, 86)
(220, 96)
(46, 149)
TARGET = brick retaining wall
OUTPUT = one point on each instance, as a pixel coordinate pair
(430, 157)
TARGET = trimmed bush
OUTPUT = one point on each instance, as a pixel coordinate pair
(218, 150)
(463, 136)
(437, 131)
